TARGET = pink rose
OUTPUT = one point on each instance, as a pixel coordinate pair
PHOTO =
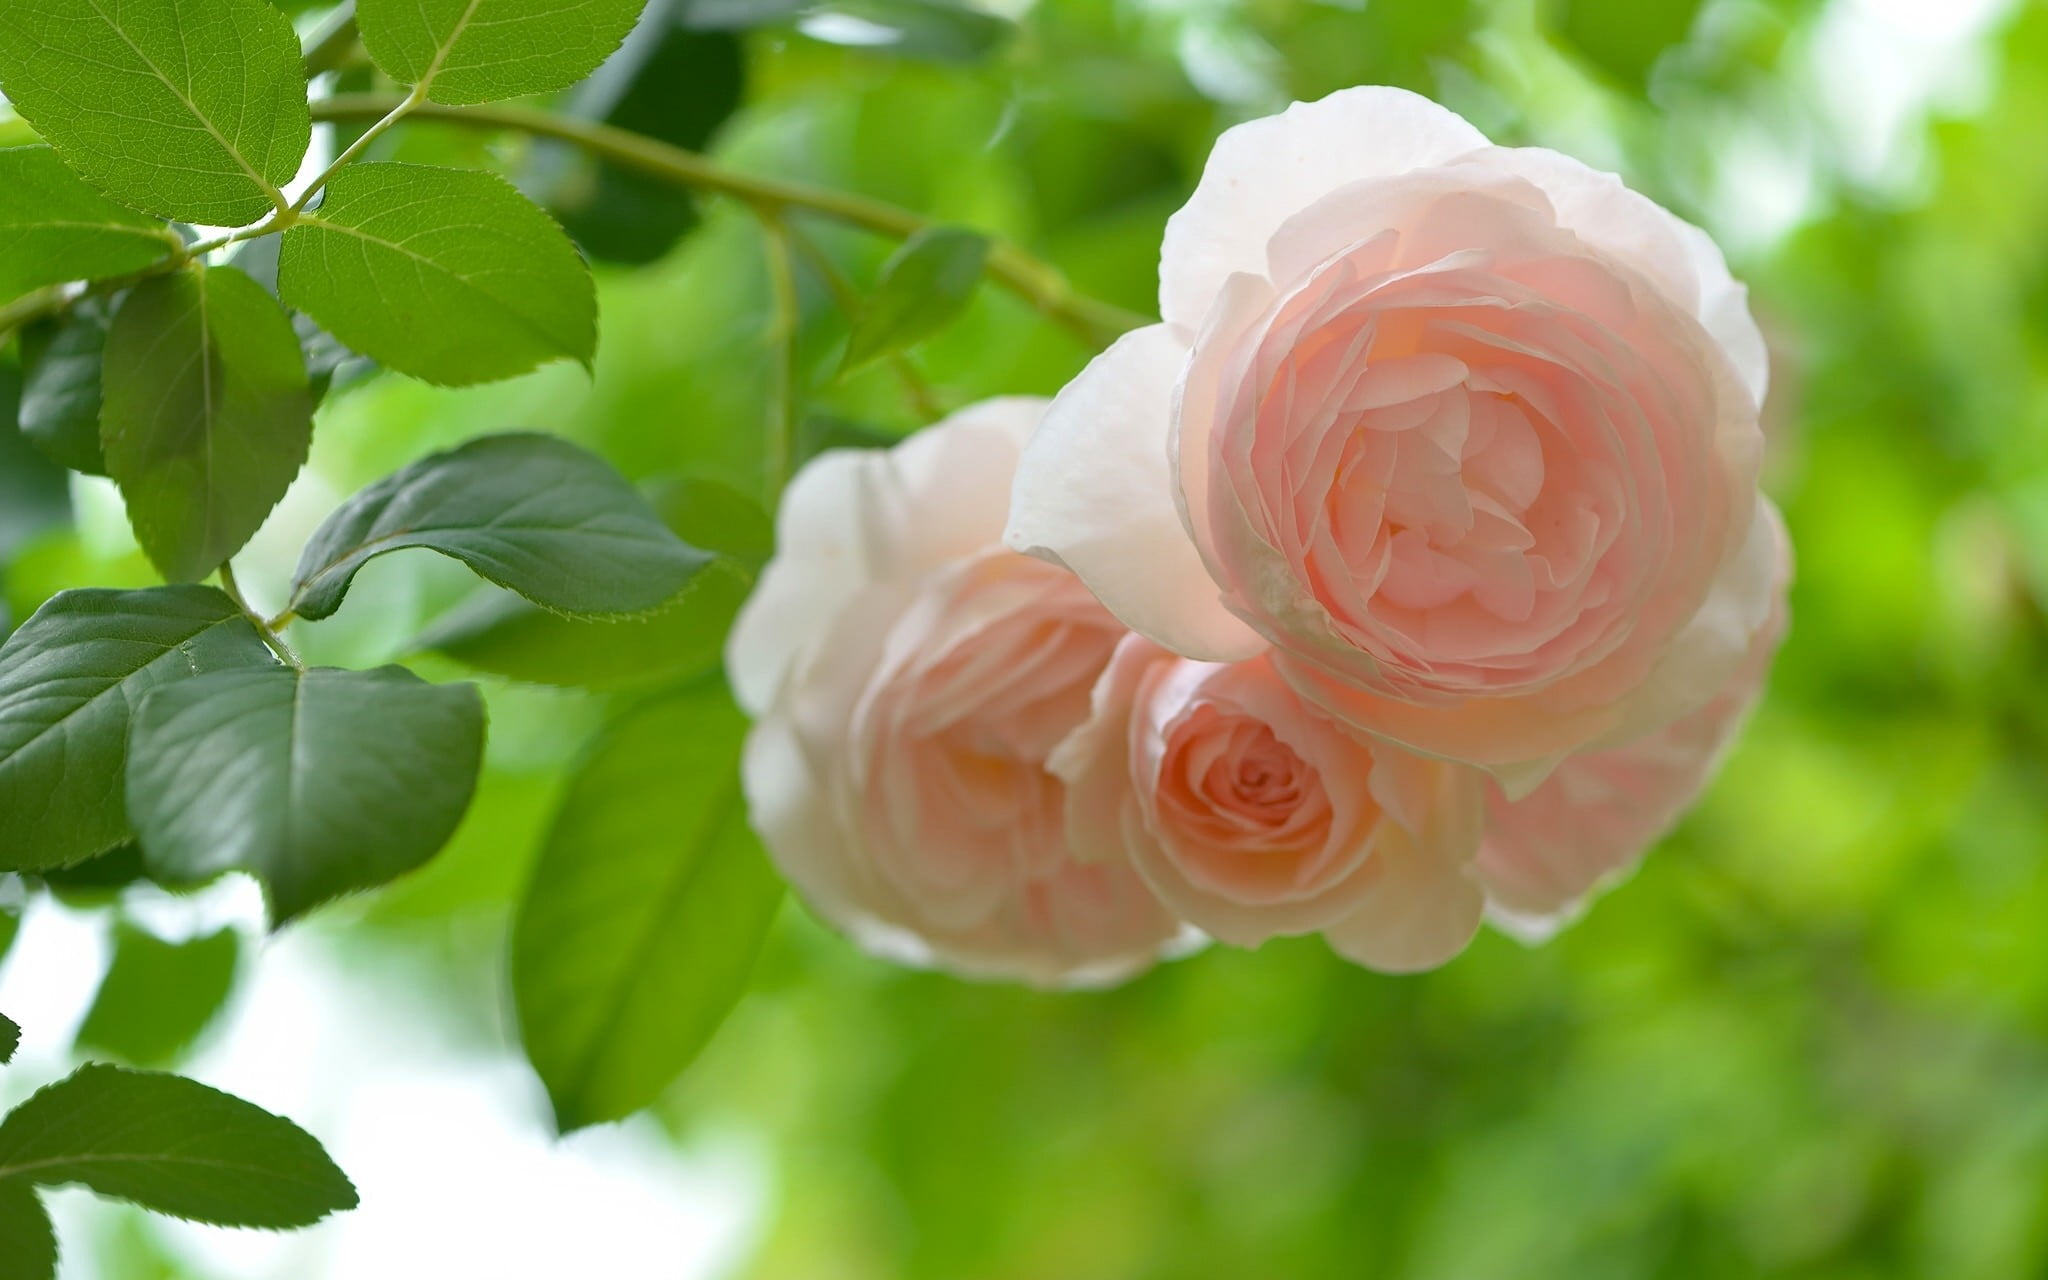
(1251, 814)
(1466, 435)
(1596, 814)
(910, 677)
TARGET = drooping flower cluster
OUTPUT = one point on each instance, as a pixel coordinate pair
(1412, 569)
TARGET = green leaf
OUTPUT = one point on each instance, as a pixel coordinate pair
(504, 635)
(99, 880)
(187, 109)
(1624, 38)
(530, 512)
(31, 1252)
(316, 782)
(10, 925)
(501, 634)
(205, 416)
(35, 494)
(10, 1036)
(54, 228)
(467, 51)
(449, 275)
(639, 930)
(60, 394)
(924, 285)
(68, 679)
(172, 1145)
(157, 996)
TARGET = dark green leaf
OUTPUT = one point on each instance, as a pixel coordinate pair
(54, 228)
(10, 925)
(10, 1034)
(187, 109)
(34, 492)
(172, 1145)
(158, 996)
(936, 30)
(205, 416)
(465, 51)
(1624, 38)
(669, 83)
(98, 880)
(650, 901)
(505, 636)
(317, 782)
(530, 512)
(924, 285)
(60, 395)
(449, 275)
(31, 1246)
(68, 679)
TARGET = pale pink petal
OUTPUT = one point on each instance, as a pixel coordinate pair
(1094, 492)
(1263, 171)
(1421, 912)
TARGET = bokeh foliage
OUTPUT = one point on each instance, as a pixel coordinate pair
(1810, 1037)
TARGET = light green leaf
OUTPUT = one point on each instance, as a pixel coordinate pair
(205, 416)
(187, 109)
(466, 51)
(650, 901)
(1624, 38)
(530, 512)
(60, 394)
(68, 680)
(54, 228)
(317, 782)
(924, 285)
(449, 275)
(31, 1252)
(933, 30)
(172, 1145)
(10, 1038)
(157, 996)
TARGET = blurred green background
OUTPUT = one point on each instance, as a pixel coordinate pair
(1809, 1038)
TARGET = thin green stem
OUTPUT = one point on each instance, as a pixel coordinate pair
(403, 108)
(924, 401)
(784, 416)
(1037, 282)
(29, 308)
(270, 633)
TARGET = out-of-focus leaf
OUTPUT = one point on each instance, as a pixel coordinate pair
(60, 394)
(205, 417)
(935, 30)
(467, 51)
(35, 494)
(530, 512)
(157, 997)
(924, 285)
(10, 1034)
(651, 898)
(329, 364)
(737, 15)
(172, 1145)
(448, 275)
(53, 227)
(68, 680)
(668, 82)
(31, 1252)
(187, 109)
(1623, 38)
(99, 879)
(317, 782)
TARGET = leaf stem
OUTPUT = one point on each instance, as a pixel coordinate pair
(270, 632)
(784, 415)
(399, 111)
(1035, 281)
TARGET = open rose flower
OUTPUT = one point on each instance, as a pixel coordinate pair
(1252, 815)
(1466, 435)
(910, 677)
(1593, 817)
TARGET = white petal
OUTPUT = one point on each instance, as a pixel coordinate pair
(1094, 492)
(1262, 172)
(1422, 911)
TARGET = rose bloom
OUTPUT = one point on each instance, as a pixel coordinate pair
(1592, 818)
(1252, 814)
(909, 678)
(1465, 435)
